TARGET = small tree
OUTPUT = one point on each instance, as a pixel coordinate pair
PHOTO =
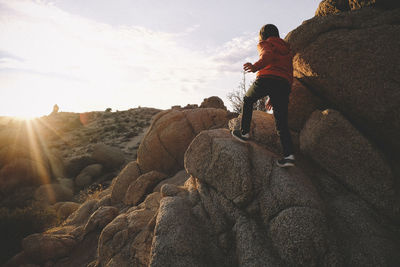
(236, 97)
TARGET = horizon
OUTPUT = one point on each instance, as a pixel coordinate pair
(91, 56)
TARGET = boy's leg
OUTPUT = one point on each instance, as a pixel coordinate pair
(257, 90)
(280, 101)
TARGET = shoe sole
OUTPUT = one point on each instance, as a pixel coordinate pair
(285, 165)
(237, 138)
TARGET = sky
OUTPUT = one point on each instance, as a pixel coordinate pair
(96, 54)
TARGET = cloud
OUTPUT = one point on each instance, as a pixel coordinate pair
(48, 50)
(231, 56)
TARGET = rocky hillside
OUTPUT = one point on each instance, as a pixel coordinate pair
(68, 154)
(194, 196)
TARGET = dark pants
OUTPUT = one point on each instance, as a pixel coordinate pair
(278, 90)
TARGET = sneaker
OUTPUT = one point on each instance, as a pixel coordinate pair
(286, 162)
(239, 136)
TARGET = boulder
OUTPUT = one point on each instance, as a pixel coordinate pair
(121, 183)
(178, 179)
(357, 4)
(329, 7)
(82, 214)
(263, 130)
(302, 103)
(328, 51)
(110, 157)
(171, 132)
(127, 239)
(336, 145)
(232, 211)
(43, 247)
(88, 174)
(213, 102)
(143, 185)
(367, 239)
(64, 209)
(52, 193)
(75, 165)
(231, 167)
(178, 239)
(100, 218)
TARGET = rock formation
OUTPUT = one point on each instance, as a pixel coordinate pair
(351, 61)
(195, 196)
(170, 134)
(213, 102)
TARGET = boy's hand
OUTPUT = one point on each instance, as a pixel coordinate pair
(248, 67)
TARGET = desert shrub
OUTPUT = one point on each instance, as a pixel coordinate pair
(121, 129)
(16, 224)
(91, 192)
(108, 109)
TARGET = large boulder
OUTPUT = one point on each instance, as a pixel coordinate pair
(64, 209)
(263, 129)
(328, 51)
(178, 179)
(302, 103)
(110, 157)
(100, 218)
(237, 194)
(230, 168)
(213, 102)
(178, 240)
(142, 186)
(126, 241)
(43, 247)
(357, 4)
(171, 132)
(328, 7)
(121, 183)
(341, 149)
(76, 164)
(88, 174)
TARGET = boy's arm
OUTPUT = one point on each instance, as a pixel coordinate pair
(265, 52)
(265, 59)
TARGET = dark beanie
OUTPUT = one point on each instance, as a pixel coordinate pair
(267, 31)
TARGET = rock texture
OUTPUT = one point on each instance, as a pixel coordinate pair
(302, 103)
(320, 138)
(164, 145)
(196, 196)
(213, 102)
(110, 157)
(328, 7)
(128, 175)
(262, 128)
(277, 193)
(328, 51)
(143, 185)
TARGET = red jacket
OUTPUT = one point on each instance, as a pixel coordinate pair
(275, 59)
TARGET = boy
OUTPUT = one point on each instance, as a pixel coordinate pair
(274, 79)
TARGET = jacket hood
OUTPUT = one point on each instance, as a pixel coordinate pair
(278, 45)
